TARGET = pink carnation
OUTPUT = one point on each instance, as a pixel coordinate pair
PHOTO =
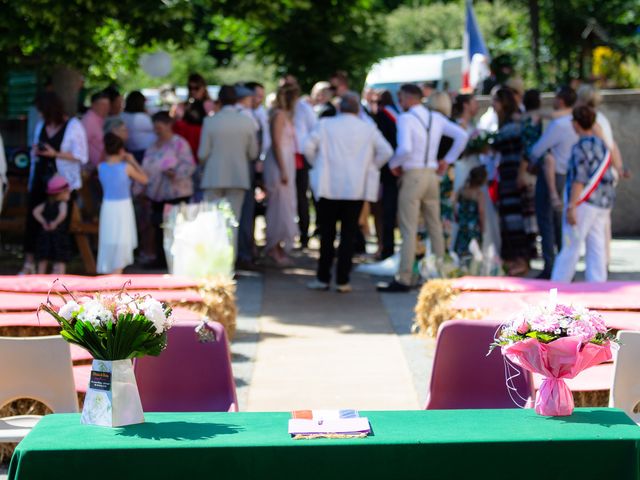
(545, 323)
(523, 327)
(566, 310)
(585, 330)
(598, 323)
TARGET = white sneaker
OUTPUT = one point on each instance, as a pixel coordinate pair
(318, 285)
(346, 288)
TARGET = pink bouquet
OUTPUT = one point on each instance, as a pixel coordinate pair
(558, 342)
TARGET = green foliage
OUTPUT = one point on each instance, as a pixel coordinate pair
(547, 337)
(505, 24)
(543, 337)
(80, 33)
(228, 40)
(439, 26)
(573, 28)
(419, 29)
(310, 39)
(130, 336)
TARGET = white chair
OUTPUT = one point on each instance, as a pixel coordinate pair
(625, 393)
(39, 368)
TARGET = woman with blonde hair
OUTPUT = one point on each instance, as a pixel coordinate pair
(441, 102)
(279, 178)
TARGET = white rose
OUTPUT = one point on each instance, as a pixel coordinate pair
(68, 309)
(95, 313)
(154, 312)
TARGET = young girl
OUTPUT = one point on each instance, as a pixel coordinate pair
(469, 203)
(117, 235)
(52, 241)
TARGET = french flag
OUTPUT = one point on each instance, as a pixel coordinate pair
(475, 60)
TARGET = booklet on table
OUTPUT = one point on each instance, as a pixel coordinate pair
(328, 423)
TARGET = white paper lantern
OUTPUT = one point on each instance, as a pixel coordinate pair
(157, 64)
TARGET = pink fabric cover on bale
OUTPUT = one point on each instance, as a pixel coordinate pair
(502, 302)
(81, 374)
(516, 284)
(78, 283)
(29, 302)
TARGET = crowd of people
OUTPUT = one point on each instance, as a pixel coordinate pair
(421, 161)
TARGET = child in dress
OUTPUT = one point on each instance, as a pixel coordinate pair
(470, 208)
(52, 244)
(117, 234)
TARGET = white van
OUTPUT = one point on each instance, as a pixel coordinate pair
(442, 69)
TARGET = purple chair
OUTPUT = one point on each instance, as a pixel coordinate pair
(464, 376)
(188, 376)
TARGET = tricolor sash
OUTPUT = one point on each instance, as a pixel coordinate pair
(596, 178)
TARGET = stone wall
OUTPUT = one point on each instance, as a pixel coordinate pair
(622, 108)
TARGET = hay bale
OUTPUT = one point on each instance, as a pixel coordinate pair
(28, 331)
(597, 398)
(219, 303)
(433, 307)
(25, 406)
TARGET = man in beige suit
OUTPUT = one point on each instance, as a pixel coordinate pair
(228, 143)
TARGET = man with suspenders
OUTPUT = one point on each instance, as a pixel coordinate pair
(416, 164)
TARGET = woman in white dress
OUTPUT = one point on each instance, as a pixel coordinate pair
(117, 236)
(465, 109)
(279, 178)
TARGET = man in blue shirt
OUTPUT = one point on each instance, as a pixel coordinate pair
(558, 139)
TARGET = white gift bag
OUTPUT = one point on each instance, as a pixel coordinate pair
(198, 240)
(112, 398)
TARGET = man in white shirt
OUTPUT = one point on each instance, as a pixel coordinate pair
(346, 154)
(417, 165)
(261, 116)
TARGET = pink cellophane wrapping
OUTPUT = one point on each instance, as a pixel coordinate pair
(563, 358)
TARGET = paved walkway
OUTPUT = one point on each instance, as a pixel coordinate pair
(327, 350)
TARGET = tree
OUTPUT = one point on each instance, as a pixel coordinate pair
(439, 26)
(572, 29)
(310, 40)
(418, 29)
(60, 38)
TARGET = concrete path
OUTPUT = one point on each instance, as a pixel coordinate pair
(327, 350)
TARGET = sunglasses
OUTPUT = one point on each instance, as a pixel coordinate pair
(193, 88)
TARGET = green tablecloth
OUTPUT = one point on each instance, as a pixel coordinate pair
(440, 444)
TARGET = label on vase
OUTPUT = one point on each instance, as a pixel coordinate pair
(100, 380)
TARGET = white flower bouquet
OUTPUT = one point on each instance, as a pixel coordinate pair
(114, 329)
